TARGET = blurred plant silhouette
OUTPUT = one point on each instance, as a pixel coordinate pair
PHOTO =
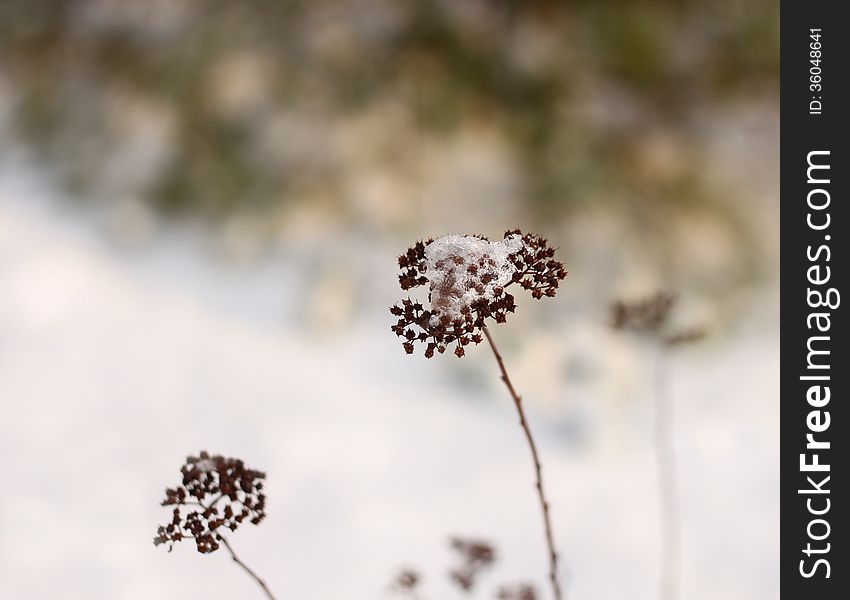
(475, 556)
(519, 591)
(650, 319)
(407, 582)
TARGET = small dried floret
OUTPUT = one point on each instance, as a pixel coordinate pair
(407, 581)
(520, 591)
(475, 556)
(467, 277)
(216, 493)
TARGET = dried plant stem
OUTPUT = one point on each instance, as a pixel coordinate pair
(246, 568)
(236, 558)
(538, 471)
(665, 456)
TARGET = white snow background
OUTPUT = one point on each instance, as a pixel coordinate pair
(116, 362)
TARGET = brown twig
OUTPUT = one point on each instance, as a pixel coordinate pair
(246, 568)
(235, 558)
(538, 471)
(665, 456)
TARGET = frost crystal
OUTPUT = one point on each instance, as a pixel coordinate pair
(464, 269)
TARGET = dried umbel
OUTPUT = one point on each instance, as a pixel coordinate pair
(648, 315)
(215, 494)
(651, 317)
(467, 278)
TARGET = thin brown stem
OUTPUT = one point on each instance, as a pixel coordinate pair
(538, 471)
(246, 568)
(233, 555)
(665, 456)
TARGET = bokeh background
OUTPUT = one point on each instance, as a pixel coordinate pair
(201, 204)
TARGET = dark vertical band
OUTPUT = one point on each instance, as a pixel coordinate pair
(815, 59)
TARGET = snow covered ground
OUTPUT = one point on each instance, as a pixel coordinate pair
(115, 362)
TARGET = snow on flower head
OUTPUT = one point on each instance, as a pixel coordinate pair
(467, 276)
(465, 269)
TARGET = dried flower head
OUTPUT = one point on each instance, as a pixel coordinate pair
(643, 316)
(406, 581)
(475, 556)
(216, 493)
(651, 317)
(519, 591)
(467, 278)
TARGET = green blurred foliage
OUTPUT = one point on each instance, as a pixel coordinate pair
(572, 89)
